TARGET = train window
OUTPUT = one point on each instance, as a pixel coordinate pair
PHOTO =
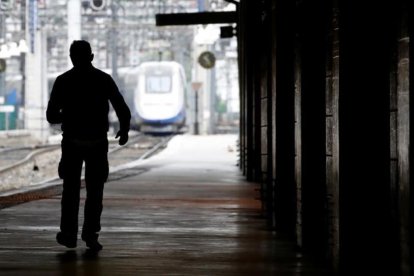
(158, 84)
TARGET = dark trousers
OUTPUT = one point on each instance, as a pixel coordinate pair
(95, 155)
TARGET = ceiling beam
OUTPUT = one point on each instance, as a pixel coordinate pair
(169, 19)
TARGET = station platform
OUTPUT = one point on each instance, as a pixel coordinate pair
(185, 211)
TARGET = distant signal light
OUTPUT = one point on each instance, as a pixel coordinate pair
(97, 5)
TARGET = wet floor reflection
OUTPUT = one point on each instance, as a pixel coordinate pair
(73, 263)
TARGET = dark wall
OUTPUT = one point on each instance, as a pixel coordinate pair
(366, 39)
(326, 126)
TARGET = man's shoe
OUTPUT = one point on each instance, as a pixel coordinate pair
(93, 245)
(91, 240)
(66, 240)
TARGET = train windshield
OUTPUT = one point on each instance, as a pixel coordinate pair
(158, 83)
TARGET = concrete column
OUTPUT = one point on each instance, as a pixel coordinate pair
(311, 21)
(283, 116)
(404, 140)
(332, 137)
(74, 24)
(36, 94)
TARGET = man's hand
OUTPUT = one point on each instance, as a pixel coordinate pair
(123, 137)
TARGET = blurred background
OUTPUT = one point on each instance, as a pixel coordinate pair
(35, 36)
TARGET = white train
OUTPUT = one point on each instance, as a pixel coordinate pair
(156, 95)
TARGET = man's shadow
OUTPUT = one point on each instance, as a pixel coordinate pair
(87, 263)
(67, 256)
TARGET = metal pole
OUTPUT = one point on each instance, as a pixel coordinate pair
(44, 93)
(6, 115)
(114, 41)
(2, 38)
(23, 63)
(196, 130)
(74, 23)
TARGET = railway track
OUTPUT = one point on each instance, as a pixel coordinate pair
(22, 166)
(37, 168)
(12, 155)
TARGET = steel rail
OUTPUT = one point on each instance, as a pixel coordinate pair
(133, 139)
(38, 150)
(29, 158)
(156, 147)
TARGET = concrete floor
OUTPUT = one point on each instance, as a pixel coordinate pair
(186, 211)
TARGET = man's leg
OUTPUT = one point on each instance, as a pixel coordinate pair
(70, 169)
(96, 173)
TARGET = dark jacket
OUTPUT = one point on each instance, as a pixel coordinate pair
(79, 101)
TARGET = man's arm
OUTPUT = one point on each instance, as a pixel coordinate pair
(122, 112)
(54, 107)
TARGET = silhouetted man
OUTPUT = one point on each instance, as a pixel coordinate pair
(80, 102)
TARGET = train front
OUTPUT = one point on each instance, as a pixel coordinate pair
(159, 98)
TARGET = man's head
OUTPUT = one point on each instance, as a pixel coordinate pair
(81, 53)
